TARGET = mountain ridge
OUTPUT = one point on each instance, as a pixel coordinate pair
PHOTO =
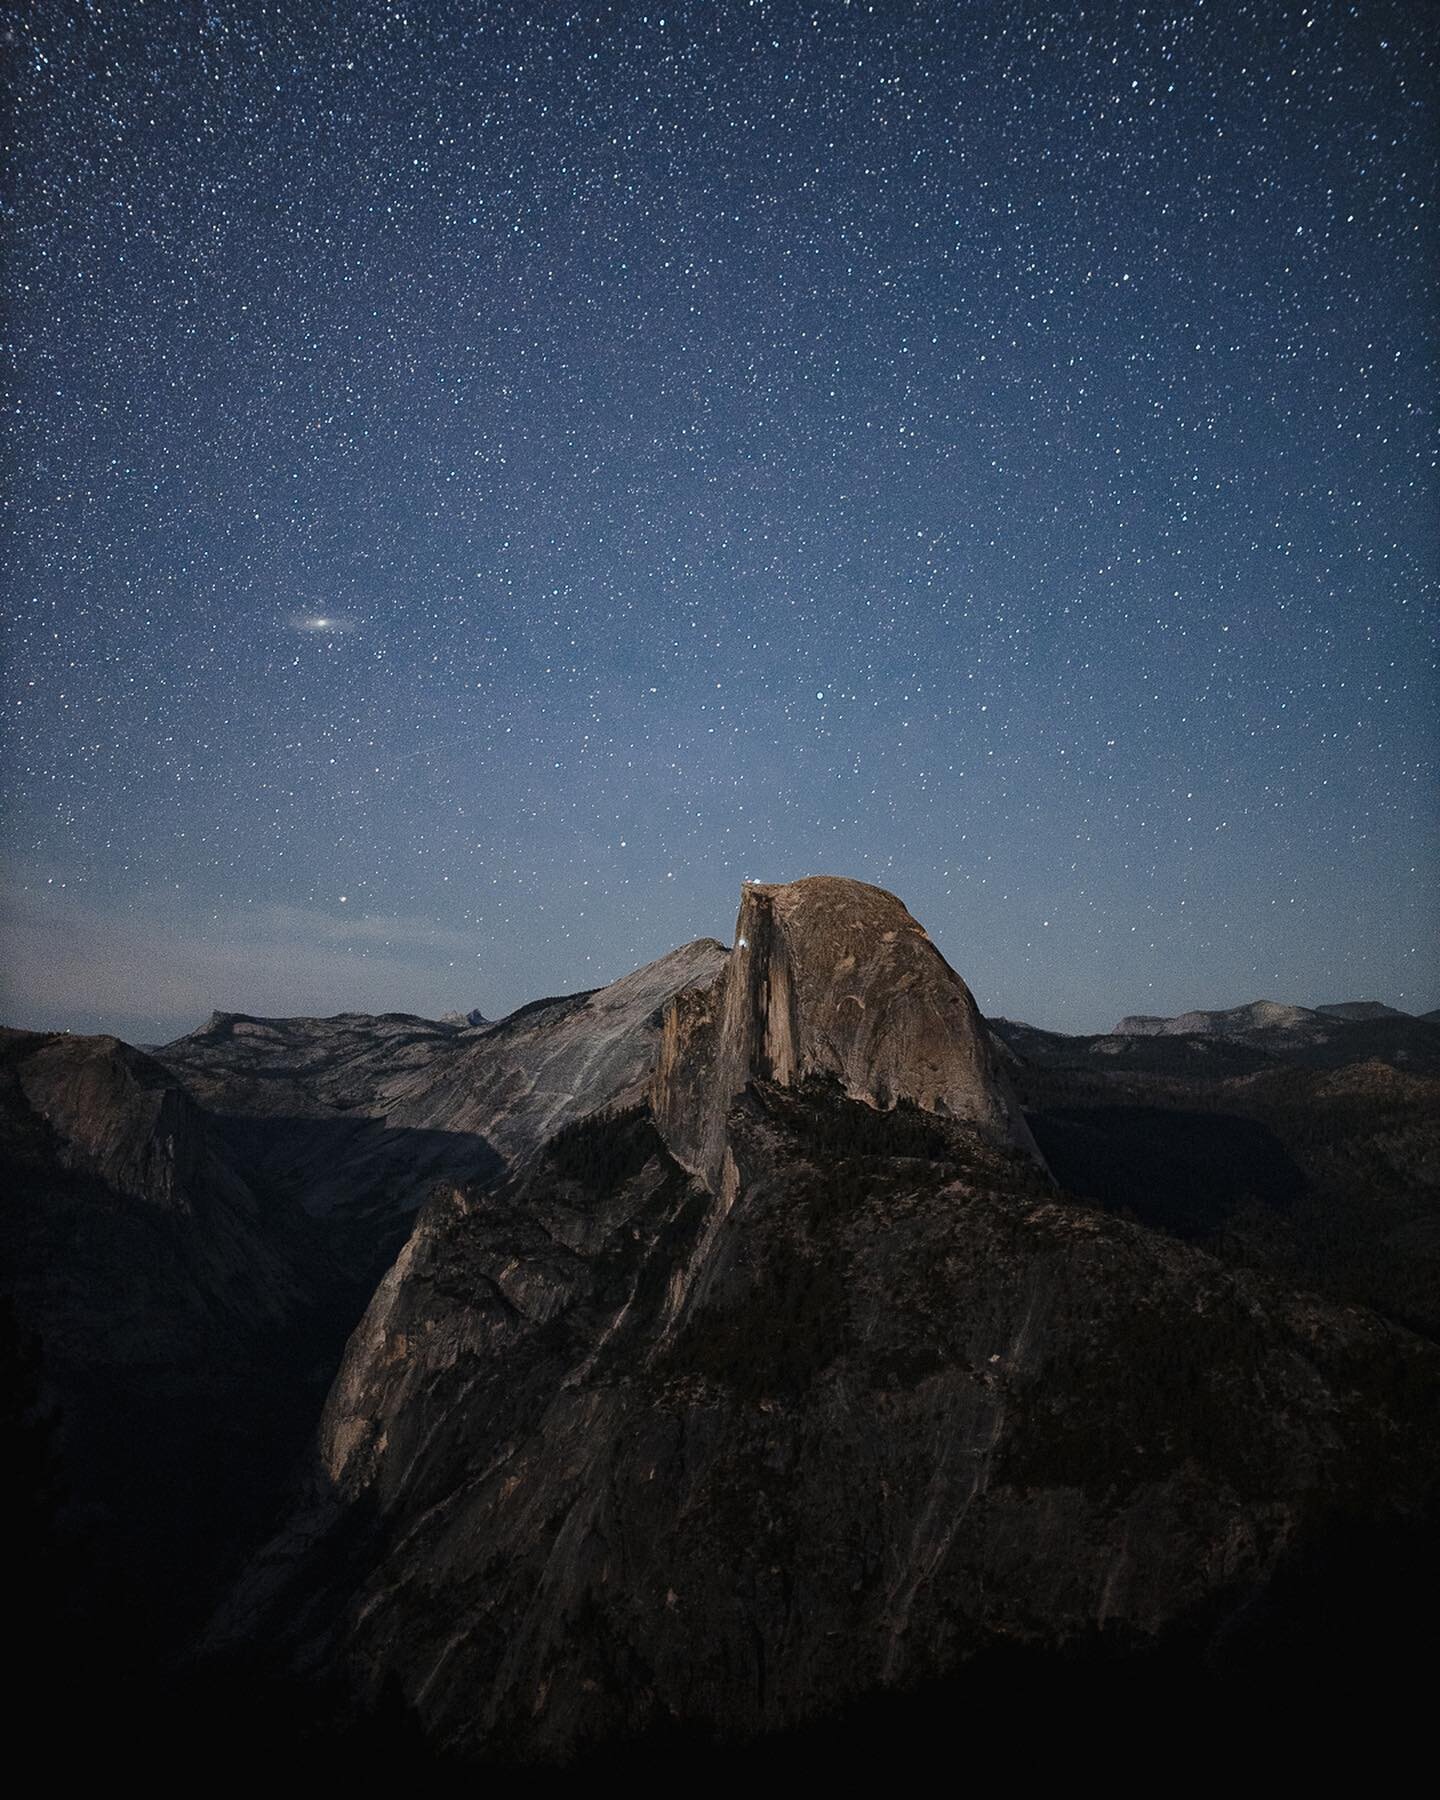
(784, 1300)
(764, 1332)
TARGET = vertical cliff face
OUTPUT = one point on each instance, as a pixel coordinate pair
(801, 1380)
(829, 979)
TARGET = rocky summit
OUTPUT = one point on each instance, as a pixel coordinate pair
(727, 1357)
(829, 980)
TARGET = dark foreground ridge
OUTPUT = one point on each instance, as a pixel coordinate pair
(736, 1379)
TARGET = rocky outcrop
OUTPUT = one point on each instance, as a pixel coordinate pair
(553, 1061)
(743, 1359)
(466, 1020)
(305, 1068)
(830, 980)
(360, 1117)
(797, 1378)
(109, 1112)
(921, 1404)
(189, 1237)
(305, 1108)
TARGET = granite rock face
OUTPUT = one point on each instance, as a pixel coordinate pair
(600, 1458)
(736, 1355)
(305, 1068)
(190, 1236)
(358, 1118)
(829, 979)
(796, 1379)
(554, 1061)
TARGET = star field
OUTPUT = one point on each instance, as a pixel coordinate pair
(485, 479)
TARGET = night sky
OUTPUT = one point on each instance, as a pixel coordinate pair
(483, 480)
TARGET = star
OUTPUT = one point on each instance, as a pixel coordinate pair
(533, 459)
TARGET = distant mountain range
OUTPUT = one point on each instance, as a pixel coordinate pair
(1260, 1016)
(762, 1338)
(1241, 1038)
